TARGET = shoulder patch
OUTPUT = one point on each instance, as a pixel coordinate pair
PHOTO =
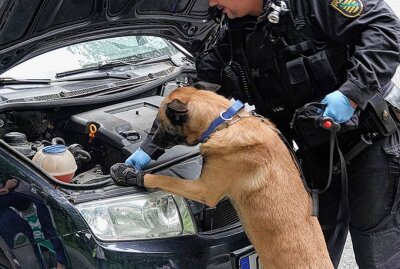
(348, 8)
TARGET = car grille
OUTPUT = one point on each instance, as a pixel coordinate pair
(207, 218)
(221, 216)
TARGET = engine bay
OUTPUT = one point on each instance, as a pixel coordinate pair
(98, 136)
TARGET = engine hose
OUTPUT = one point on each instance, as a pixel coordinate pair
(241, 73)
(54, 141)
(109, 181)
(57, 140)
(45, 142)
(65, 185)
(82, 155)
(78, 153)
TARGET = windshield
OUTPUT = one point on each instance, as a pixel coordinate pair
(91, 53)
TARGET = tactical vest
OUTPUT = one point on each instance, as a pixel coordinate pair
(282, 66)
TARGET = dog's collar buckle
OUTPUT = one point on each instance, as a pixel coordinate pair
(221, 115)
(223, 118)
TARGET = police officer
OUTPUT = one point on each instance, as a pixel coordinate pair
(281, 54)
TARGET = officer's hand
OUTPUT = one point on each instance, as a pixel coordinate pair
(10, 185)
(4, 191)
(338, 107)
(139, 159)
(126, 175)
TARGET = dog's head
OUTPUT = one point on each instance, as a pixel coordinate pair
(185, 114)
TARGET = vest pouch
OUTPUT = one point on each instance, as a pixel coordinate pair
(298, 77)
(321, 70)
(306, 125)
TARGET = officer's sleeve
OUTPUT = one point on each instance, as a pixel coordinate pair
(208, 66)
(372, 31)
(210, 62)
(149, 147)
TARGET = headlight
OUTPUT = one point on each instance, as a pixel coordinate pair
(151, 215)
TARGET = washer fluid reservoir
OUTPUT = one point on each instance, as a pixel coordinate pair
(58, 161)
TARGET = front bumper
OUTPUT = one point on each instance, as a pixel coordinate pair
(211, 250)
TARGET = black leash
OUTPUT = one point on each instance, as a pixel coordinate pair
(329, 124)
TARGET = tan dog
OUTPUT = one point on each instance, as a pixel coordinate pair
(249, 163)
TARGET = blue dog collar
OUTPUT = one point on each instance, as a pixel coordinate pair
(223, 117)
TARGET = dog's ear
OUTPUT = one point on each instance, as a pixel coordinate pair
(177, 112)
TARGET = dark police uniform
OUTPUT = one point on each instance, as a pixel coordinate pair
(317, 47)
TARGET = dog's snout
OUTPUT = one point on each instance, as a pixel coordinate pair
(166, 139)
(159, 138)
(163, 139)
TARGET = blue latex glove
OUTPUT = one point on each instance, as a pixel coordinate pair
(338, 107)
(139, 159)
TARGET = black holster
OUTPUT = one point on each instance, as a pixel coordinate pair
(379, 116)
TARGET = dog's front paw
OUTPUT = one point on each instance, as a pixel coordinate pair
(126, 175)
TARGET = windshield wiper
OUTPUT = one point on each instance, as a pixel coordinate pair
(96, 76)
(112, 64)
(14, 81)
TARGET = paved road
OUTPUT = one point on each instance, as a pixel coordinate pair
(348, 261)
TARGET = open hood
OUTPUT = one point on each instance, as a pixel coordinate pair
(32, 27)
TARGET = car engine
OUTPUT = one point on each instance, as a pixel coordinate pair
(100, 137)
(97, 138)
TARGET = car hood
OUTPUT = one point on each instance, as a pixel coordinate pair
(32, 27)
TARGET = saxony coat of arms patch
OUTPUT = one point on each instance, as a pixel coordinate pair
(348, 8)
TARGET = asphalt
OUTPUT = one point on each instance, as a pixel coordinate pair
(348, 261)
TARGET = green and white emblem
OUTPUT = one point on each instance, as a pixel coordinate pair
(348, 8)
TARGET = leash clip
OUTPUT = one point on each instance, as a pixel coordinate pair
(329, 124)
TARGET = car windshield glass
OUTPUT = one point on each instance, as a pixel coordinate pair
(92, 53)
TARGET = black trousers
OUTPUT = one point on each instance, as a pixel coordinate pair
(374, 205)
